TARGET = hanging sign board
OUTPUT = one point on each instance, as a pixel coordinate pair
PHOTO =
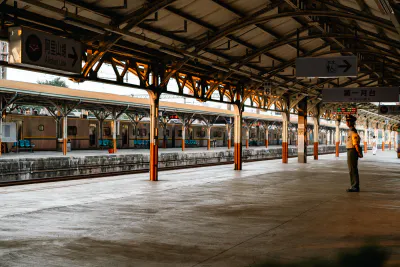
(42, 50)
(8, 132)
(328, 67)
(391, 110)
(345, 111)
(361, 94)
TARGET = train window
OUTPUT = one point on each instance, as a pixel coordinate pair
(72, 130)
(41, 127)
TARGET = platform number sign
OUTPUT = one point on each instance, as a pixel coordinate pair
(44, 51)
(361, 94)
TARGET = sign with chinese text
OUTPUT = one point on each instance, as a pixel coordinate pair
(391, 110)
(328, 67)
(361, 94)
(44, 51)
(345, 111)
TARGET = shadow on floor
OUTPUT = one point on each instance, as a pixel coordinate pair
(366, 256)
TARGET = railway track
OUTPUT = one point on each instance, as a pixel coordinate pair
(109, 174)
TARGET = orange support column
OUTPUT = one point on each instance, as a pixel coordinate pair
(316, 137)
(365, 147)
(238, 138)
(285, 146)
(114, 134)
(247, 136)
(65, 135)
(266, 136)
(337, 136)
(153, 165)
(315, 150)
(208, 138)
(1, 129)
(383, 145)
(183, 137)
(302, 131)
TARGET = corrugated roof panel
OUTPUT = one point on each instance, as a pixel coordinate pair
(206, 10)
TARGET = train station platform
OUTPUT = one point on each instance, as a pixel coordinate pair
(210, 217)
(52, 164)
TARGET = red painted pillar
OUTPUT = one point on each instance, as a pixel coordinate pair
(65, 135)
(154, 107)
(183, 137)
(285, 146)
(337, 135)
(238, 138)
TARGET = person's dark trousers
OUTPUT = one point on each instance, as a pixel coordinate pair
(352, 162)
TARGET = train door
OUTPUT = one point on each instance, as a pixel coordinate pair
(92, 135)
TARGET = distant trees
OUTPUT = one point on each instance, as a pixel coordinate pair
(55, 82)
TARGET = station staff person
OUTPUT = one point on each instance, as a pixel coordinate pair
(354, 152)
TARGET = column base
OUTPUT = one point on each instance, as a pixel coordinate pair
(285, 152)
(383, 146)
(315, 150)
(153, 166)
(337, 149)
(365, 147)
(229, 144)
(238, 156)
(208, 144)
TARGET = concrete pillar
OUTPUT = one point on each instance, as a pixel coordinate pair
(247, 137)
(208, 137)
(338, 137)
(154, 108)
(285, 130)
(383, 138)
(266, 136)
(396, 140)
(316, 137)
(302, 131)
(114, 134)
(390, 139)
(238, 138)
(65, 134)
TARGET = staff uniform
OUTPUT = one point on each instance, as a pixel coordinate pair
(353, 139)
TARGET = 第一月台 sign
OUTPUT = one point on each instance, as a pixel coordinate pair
(328, 67)
(42, 50)
(361, 94)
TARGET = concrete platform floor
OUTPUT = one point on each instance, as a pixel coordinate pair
(83, 153)
(210, 216)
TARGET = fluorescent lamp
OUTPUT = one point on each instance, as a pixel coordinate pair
(170, 52)
(220, 68)
(84, 26)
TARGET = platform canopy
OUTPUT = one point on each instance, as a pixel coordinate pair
(212, 48)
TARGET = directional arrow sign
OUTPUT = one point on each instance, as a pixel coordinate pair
(44, 51)
(328, 67)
